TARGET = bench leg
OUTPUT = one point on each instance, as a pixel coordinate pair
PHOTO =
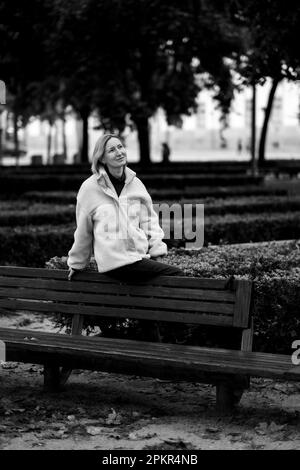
(55, 377)
(51, 378)
(227, 397)
(64, 375)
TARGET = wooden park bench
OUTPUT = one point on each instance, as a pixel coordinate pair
(214, 302)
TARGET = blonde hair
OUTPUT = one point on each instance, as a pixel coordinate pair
(99, 150)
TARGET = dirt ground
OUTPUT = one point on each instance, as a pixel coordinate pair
(108, 411)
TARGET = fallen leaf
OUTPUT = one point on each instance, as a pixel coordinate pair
(94, 430)
(212, 429)
(261, 428)
(276, 427)
(281, 388)
(113, 418)
(234, 433)
(71, 418)
(176, 443)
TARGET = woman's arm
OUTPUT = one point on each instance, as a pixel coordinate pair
(80, 253)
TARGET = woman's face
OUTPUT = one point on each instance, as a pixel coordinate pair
(115, 153)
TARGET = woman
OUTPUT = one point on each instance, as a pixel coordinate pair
(116, 220)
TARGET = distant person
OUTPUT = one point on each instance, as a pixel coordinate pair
(165, 152)
(239, 146)
(116, 220)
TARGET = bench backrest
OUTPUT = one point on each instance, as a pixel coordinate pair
(165, 298)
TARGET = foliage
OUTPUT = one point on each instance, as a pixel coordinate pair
(270, 40)
(32, 245)
(122, 60)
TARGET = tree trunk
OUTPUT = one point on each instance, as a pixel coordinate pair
(64, 139)
(263, 135)
(55, 139)
(253, 130)
(16, 139)
(84, 152)
(142, 125)
(49, 143)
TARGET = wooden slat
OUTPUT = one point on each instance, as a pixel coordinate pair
(162, 350)
(98, 299)
(247, 337)
(181, 317)
(242, 306)
(120, 289)
(40, 273)
(104, 357)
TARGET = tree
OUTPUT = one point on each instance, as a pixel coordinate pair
(271, 38)
(122, 59)
(138, 55)
(24, 62)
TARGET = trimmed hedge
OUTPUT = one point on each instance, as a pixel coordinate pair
(274, 269)
(22, 212)
(63, 197)
(16, 213)
(32, 245)
(19, 183)
(57, 197)
(252, 227)
(251, 204)
(183, 167)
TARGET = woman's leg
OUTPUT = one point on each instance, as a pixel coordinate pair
(143, 270)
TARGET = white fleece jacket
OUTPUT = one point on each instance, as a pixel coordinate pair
(119, 230)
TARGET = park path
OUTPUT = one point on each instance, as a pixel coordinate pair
(108, 411)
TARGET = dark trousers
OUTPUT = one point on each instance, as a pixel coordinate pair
(143, 270)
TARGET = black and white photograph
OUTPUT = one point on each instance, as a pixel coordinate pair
(149, 228)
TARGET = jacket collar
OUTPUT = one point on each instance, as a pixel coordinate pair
(103, 178)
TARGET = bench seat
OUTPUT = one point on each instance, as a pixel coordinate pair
(161, 360)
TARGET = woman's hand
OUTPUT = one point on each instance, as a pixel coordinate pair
(158, 258)
(71, 273)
